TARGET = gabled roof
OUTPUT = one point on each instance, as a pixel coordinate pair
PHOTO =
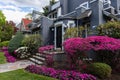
(26, 22)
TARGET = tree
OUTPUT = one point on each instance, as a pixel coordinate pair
(2, 23)
(45, 10)
(7, 32)
(2, 19)
(52, 2)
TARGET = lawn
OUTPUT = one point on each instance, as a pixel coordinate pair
(22, 75)
(2, 58)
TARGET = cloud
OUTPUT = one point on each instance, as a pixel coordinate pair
(15, 16)
(15, 10)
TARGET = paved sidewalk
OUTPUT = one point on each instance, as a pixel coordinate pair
(14, 66)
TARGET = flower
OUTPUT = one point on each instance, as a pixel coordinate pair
(45, 48)
(59, 74)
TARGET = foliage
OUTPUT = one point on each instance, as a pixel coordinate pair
(2, 58)
(9, 57)
(45, 48)
(32, 42)
(4, 43)
(101, 70)
(15, 42)
(52, 2)
(22, 75)
(73, 32)
(22, 53)
(59, 74)
(111, 29)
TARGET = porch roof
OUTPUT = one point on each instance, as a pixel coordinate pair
(110, 15)
(85, 14)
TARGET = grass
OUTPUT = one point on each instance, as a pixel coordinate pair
(2, 58)
(22, 75)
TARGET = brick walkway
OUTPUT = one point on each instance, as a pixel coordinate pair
(14, 66)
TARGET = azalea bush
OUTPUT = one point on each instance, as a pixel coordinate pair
(45, 48)
(49, 60)
(4, 48)
(9, 57)
(107, 48)
(59, 74)
(75, 49)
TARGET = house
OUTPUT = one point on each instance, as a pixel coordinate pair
(74, 13)
(24, 25)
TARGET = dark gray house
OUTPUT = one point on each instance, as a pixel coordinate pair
(73, 13)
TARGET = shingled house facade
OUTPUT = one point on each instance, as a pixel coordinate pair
(73, 13)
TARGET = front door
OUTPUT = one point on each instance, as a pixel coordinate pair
(59, 37)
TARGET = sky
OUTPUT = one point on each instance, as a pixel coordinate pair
(15, 10)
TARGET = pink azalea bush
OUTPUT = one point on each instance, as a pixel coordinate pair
(49, 60)
(107, 47)
(45, 48)
(96, 43)
(59, 74)
(9, 57)
(4, 48)
(103, 43)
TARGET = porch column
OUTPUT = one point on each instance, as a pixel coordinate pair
(55, 38)
(62, 35)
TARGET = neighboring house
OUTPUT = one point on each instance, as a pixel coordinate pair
(74, 13)
(24, 25)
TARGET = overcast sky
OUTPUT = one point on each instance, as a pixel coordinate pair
(15, 10)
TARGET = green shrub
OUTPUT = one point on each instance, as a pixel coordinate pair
(15, 42)
(111, 29)
(101, 70)
(32, 42)
(73, 32)
(4, 43)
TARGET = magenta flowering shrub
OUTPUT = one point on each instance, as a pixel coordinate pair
(103, 43)
(4, 48)
(49, 60)
(45, 48)
(59, 74)
(9, 57)
(107, 48)
(96, 43)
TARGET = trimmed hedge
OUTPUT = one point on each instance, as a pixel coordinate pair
(101, 70)
(15, 42)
